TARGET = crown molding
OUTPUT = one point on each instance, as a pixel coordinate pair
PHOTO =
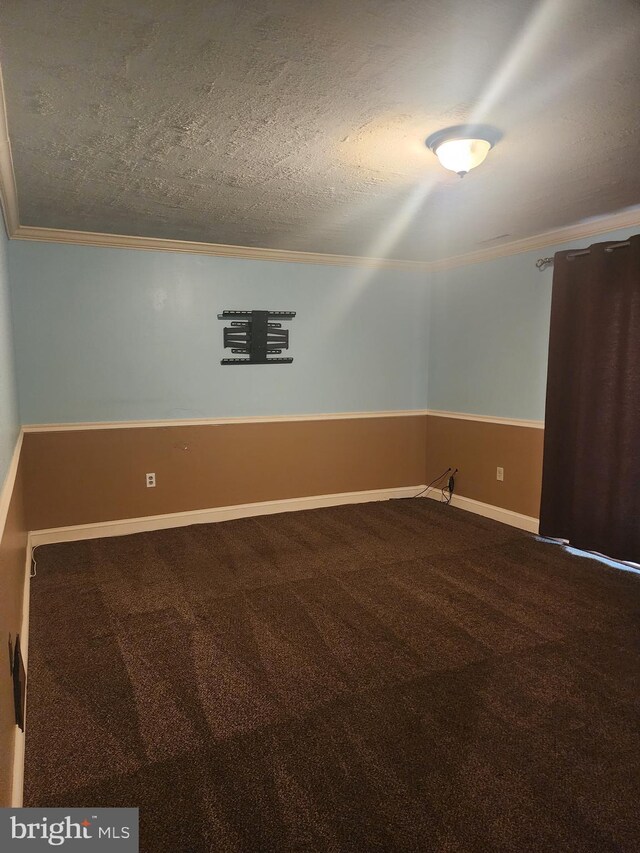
(221, 250)
(8, 191)
(628, 218)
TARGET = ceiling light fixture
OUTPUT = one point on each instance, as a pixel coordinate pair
(464, 147)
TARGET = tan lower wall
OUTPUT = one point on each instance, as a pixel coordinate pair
(85, 476)
(13, 543)
(477, 448)
(88, 476)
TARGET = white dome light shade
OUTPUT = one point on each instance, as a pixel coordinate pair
(462, 148)
(462, 155)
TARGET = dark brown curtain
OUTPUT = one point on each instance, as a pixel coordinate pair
(591, 471)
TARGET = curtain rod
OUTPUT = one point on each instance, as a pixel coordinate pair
(543, 263)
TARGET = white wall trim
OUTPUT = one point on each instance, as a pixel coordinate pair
(8, 191)
(489, 419)
(268, 419)
(628, 218)
(9, 482)
(221, 250)
(497, 513)
(128, 526)
(259, 419)
(17, 787)
(124, 527)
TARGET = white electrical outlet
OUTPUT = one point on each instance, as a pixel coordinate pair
(151, 481)
(500, 474)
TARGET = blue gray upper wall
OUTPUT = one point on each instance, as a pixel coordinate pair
(9, 426)
(489, 334)
(116, 334)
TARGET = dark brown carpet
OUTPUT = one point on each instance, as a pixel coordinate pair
(398, 676)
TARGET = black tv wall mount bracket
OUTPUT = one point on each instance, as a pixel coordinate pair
(254, 333)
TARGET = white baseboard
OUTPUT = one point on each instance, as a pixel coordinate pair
(124, 527)
(497, 513)
(17, 786)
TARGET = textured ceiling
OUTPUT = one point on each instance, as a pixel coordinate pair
(300, 125)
